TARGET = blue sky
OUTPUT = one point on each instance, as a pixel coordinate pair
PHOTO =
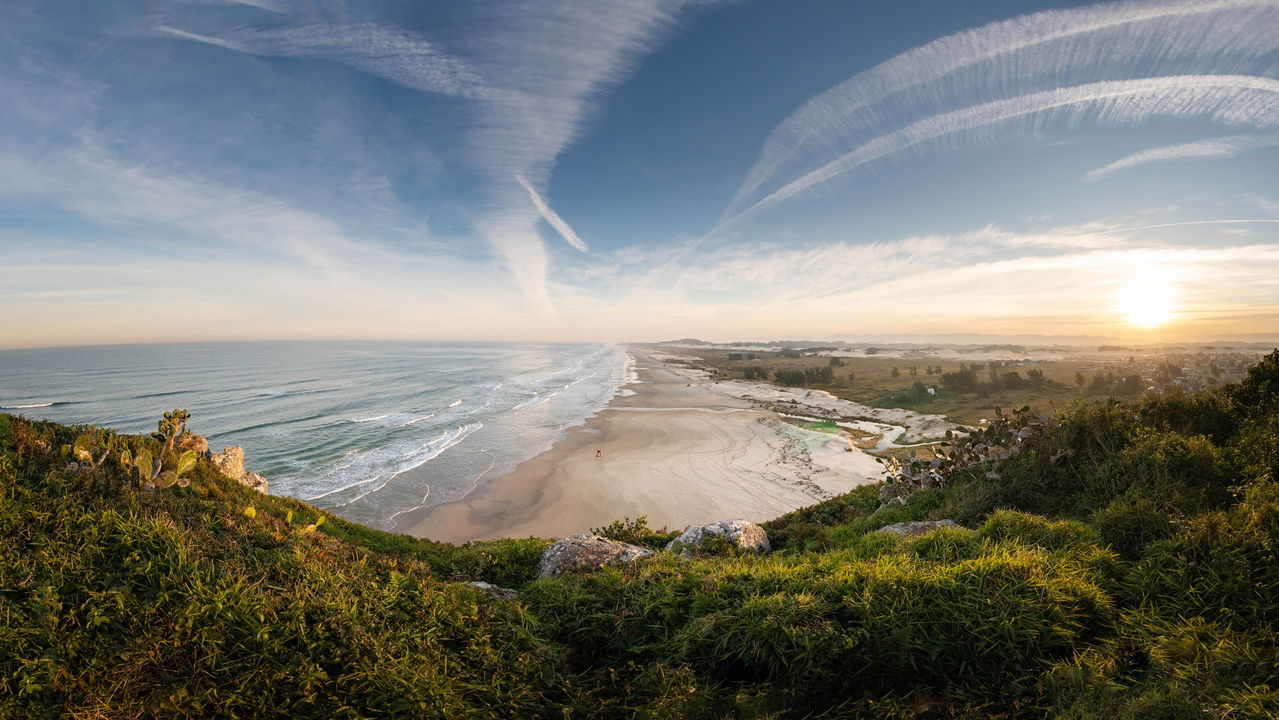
(638, 170)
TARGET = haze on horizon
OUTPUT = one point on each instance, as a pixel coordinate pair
(637, 170)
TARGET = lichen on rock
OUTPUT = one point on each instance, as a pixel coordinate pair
(918, 527)
(578, 551)
(742, 533)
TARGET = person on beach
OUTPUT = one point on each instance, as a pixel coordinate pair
(599, 453)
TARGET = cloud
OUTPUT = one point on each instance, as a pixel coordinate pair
(531, 72)
(989, 279)
(552, 218)
(1222, 147)
(380, 50)
(1230, 99)
(1023, 57)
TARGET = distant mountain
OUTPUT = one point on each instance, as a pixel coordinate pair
(685, 342)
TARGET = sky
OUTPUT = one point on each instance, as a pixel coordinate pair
(637, 170)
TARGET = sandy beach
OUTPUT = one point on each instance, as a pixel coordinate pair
(679, 450)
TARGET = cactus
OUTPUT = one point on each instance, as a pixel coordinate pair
(147, 468)
(171, 427)
(186, 462)
(166, 479)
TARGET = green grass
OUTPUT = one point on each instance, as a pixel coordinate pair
(1126, 565)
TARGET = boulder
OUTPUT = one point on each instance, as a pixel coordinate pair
(919, 527)
(744, 534)
(230, 462)
(191, 441)
(254, 481)
(500, 593)
(577, 551)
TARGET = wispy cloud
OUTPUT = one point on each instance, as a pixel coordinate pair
(990, 279)
(532, 71)
(1222, 147)
(552, 218)
(381, 50)
(1020, 62)
(1230, 99)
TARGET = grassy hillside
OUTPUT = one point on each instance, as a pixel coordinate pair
(1122, 565)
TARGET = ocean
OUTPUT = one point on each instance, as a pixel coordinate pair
(337, 424)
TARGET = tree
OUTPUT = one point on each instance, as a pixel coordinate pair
(1080, 379)
(896, 373)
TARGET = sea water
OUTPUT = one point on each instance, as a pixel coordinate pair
(368, 430)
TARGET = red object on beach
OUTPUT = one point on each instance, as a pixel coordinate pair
(599, 453)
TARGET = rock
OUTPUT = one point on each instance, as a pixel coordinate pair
(746, 535)
(191, 441)
(254, 481)
(894, 492)
(230, 462)
(500, 593)
(919, 527)
(578, 551)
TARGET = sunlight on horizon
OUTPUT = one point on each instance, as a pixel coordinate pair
(1148, 300)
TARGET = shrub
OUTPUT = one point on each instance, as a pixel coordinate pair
(636, 532)
(1131, 522)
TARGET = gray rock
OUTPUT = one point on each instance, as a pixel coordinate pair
(919, 527)
(230, 462)
(577, 551)
(254, 481)
(746, 535)
(500, 593)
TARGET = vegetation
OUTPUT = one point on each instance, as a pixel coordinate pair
(967, 392)
(1123, 564)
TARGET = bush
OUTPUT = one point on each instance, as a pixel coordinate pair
(1130, 523)
(636, 532)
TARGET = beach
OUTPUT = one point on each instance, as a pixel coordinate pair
(672, 446)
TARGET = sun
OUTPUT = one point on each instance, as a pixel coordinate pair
(1147, 302)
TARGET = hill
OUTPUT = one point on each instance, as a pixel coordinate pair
(1112, 561)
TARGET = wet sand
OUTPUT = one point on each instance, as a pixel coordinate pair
(677, 450)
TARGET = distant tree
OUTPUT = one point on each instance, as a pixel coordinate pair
(896, 373)
(962, 380)
(918, 392)
(1035, 376)
(1080, 379)
(836, 362)
(734, 356)
(914, 370)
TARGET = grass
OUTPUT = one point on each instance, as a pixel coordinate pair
(1125, 565)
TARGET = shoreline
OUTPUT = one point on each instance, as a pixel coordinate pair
(677, 449)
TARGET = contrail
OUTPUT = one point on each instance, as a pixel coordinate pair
(551, 217)
(1229, 99)
(1222, 147)
(1098, 43)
